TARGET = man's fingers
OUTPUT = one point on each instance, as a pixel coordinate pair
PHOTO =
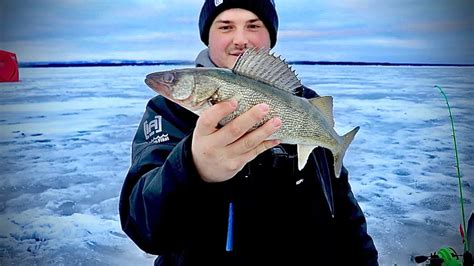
(253, 139)
(208, 120)
(243, 123)
(263, 146)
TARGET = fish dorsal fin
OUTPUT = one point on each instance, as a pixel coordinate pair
(259, 64)
(324, 104)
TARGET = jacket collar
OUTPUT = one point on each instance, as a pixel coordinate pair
(204, 60)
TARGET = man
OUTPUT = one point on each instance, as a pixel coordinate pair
(197, 194)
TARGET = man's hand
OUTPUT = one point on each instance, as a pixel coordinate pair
(220, 153)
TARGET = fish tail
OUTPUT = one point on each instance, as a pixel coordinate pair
(338, 156)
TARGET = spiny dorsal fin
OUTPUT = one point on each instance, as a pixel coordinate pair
(324, 104)
(259, 64)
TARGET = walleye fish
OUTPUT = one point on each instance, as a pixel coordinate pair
(259, 77)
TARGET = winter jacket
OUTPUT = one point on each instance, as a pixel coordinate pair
(267, 214)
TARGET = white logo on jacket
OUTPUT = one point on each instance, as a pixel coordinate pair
(152, 128)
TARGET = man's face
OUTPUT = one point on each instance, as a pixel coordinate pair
(233, 31)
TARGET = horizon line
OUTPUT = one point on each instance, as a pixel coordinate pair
(126, 62)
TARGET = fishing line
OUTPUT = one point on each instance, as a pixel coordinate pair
(458, 170)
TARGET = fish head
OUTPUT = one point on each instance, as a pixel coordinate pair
(185, 87)
(175, 85)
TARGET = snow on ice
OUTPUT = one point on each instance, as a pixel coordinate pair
(65, 147)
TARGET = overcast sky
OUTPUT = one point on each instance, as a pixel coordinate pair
(398, 31)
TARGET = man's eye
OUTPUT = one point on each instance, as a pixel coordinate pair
(254, 26)
(224, 28)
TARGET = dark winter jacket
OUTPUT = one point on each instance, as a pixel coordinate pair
(280, 216)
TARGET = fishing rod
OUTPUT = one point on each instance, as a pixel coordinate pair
(447, 256)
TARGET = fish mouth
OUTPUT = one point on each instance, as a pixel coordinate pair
(164, 90)
(188, 101)
(158, 86)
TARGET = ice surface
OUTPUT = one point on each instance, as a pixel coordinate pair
(65, 136)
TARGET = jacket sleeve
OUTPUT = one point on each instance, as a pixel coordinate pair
(355, 240)
(157, 197)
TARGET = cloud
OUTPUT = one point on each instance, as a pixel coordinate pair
(367, 43)
(99, 49)
(154, 36)
(434, 29)
(322, 33)
(392, 42)
(440, 26)
(349, 37)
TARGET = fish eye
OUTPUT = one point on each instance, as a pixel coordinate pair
(168, 77)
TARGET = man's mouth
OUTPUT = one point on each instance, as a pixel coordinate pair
(236, 53)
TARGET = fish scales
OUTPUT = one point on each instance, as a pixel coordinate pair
(296, 121)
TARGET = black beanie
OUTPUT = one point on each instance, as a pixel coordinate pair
(264, 9)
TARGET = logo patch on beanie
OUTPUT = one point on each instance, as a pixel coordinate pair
(218, 2)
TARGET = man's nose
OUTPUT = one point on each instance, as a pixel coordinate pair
(240, 39)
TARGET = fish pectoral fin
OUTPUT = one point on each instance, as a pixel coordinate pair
(303, 154)
(325, 105)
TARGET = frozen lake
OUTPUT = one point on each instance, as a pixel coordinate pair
(65, 136)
